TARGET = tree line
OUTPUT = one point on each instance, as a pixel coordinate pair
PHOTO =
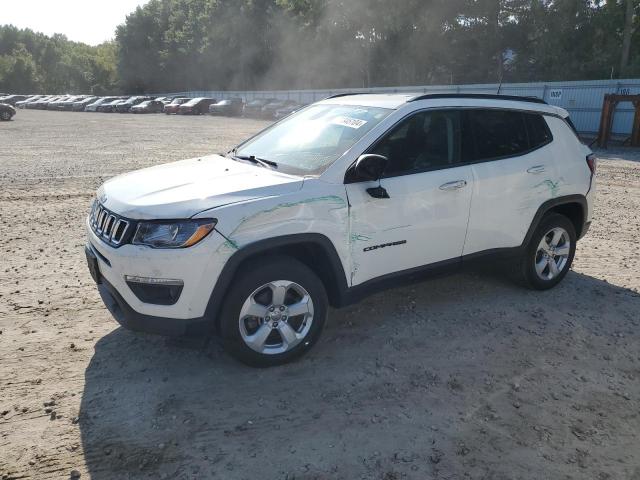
(33, 62)
(176, 45)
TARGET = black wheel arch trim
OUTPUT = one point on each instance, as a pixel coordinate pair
(263, 247)
(549, 205)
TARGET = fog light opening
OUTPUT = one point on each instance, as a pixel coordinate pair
(157, 291)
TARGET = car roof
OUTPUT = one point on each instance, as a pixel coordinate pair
(397, 100)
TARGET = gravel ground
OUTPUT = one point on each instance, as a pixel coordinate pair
(467, 376)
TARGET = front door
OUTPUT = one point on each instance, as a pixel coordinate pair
(424, 220)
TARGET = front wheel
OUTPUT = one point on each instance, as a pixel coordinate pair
(5, 116)
(549, 254)
(274, 312)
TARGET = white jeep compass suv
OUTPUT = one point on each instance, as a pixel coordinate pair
(344, 197)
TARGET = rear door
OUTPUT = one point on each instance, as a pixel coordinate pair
(514, 174)
(424, 220)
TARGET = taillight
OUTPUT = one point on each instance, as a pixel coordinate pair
(592, 162)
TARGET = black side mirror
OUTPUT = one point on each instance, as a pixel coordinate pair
(371, 167)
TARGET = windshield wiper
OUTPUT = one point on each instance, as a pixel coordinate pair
(257, 160)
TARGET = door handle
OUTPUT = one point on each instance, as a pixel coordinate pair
(454, 185)
(536, 169)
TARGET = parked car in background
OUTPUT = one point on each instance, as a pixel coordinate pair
(12, 99)
(287, 110)
(148, 106)
(93, 106)
(42, 102)
(80, 105)
(254, 107)
(270, 109)
(172, 108)
(6, 112)
(53, 105)
(67, 105)
(230, 107)
(125, 107)
(23, 103)
(109, 107)
(196, 106)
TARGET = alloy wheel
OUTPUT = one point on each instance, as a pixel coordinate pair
(552, 254)
(276, 317)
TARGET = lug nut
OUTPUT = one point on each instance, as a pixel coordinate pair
(284, 317)
(282, 308)
(272, 309)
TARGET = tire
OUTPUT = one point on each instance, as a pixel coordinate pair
(549, 254)
(5, 116)
(252, 291)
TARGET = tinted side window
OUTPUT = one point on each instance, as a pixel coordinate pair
(498, 133)
(539, 133)
(424, 141)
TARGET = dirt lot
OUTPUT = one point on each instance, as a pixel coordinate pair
(463, 377)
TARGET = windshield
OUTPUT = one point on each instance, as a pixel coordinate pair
(193, 102)
(312, 139)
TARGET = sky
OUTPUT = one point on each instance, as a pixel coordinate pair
(88, 21)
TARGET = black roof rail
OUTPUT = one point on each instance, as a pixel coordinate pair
(481, 96)
(338, 95)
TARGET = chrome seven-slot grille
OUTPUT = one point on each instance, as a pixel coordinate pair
(107, 225)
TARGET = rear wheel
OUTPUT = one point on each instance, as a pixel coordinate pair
(5, 116)
(274, 312)
(549, 254)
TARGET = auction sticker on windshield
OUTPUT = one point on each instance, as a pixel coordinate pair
(349, 122)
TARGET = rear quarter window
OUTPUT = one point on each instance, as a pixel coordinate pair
(539, 133)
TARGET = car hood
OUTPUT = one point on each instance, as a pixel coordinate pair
(183, 189)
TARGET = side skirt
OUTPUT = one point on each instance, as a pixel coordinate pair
(418, 274)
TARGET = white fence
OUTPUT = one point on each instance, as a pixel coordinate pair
(582, 99)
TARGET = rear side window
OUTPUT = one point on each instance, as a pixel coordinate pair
(539, 133)
(492, 134)
(498, 133)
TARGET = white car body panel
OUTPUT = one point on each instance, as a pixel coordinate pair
(505, 193)
(317, 207)
(569, 158)
(432, 222)
(181, 189)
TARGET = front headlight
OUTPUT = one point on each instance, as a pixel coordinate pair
(173, 234)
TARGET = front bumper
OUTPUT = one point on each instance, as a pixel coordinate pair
(139, 322)
(198, 267)
(585, 230)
